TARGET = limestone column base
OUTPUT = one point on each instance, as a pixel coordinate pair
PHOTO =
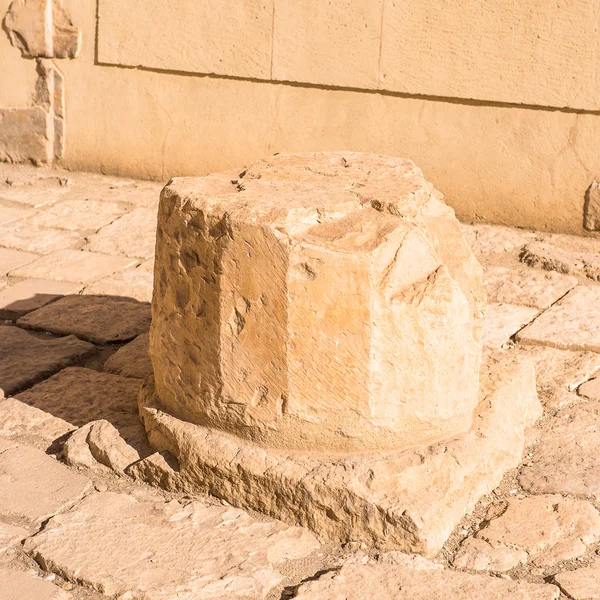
(409, 500)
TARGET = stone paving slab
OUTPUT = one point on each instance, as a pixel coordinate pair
(132, 360)
(160, 551)
(17, 585)
(544, 255)
(29, 425)
(571, 324)
(567, 458)
(134, 283)
(525, 287)
(26, 359)
(98, 319)
(544, 529)
(10, 535)
(581, 584)
(73, 265)
(77, 214)
(11, 259)
(29, 295)
(34, 485)
(13, 213)
(560, 372)
(78, 396)
(25, 236)
(31, 195)
(503, 321)
(134, 235)
(496, 239)
(386, 582)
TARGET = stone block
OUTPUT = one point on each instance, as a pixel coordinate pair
(322, 301)
(230, 37)
(329, 43)
(23, 135)
(591, 214)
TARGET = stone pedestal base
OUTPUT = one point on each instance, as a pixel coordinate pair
(409, 500)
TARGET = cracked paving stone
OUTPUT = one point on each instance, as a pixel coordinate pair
(567, 458)
(134, 283)
(387, 582)
(134, 234)
(26, 359)
(18, 585)
(73, 265)
(11, 259)
(33, 238)
(11, 535)
(35, 486)
(79, 396)
(503, 321)
(544, 529)
(13, 213)
(31, 195)
(525, 287)
(131, 360)
(582, 584)
(559, 373)
(156, 550)
(79, 214)
(573, 323)
(98, 319)
(31, 294)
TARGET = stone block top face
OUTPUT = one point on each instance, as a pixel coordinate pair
(316, 302)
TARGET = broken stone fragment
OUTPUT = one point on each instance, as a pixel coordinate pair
(98, 446)
(42, 28)
(159, 469)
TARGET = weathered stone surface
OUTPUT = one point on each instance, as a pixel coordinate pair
(590, 389)
(13, 213)
(581, 584)
(34, 485)
(130, 283)
(131, 360)
(32, 238)
(30, 425)
(538, 289)
(195, 550)
(11, 259)
(73, 265)
(31, 294)
(591, 210)
(550, 529)
(80, 395)
(9, 536)
(496, 239)
(571, 324)
(17, 585)
(91, 318)
(109, 448)
(478, 555)
(134, 234)
(408, 500)
(503, 321)
(42, 31)
(559, 373)
(25, 358)
(567, 459)
(552, 258)
(79, 214)
(385, 582)
(309, 270)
